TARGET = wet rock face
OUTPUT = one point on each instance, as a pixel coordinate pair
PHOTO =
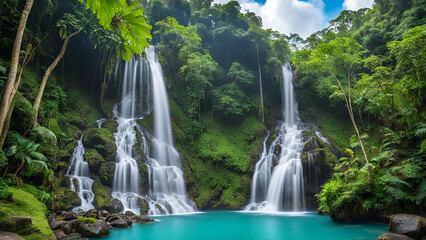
(318, 161)
(393, 236)
(92, 223)
(410, 225)
(97, 229)
(102, 140)
(115, 206)
(15, 224)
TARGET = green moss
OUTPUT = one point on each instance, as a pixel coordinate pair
(67, 199)
(110, 124)
(86, 220)
(102, 139)
(54, 126)
(26, 205)
(221, 162)
(231, 145)
(72, 131)
(23, 114)
(79, 111)
(93, 158)
(146, 121)
(102, 197)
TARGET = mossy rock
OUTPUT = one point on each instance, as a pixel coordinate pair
(62, 164)
(53, 125)
(143, 171)
(102, 196)
(69, 148)
(110, 124)
(68, 199)
(23, 114)
(143, 206)
(26, 205)
(147, 121)
(102, 140)
(106, 173)
(94, 159)
(72, 131)
(61, 181)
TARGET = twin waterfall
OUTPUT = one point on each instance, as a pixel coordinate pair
(167, 193)
(277, 183)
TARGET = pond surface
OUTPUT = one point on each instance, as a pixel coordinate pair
(219, 225)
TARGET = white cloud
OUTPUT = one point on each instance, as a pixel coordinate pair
(288, 16)
(355, 5)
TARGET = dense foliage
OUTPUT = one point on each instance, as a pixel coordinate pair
(378, 56)
(368, 65)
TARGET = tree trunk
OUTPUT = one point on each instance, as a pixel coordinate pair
(260, 84)
(351, 115)
(6, 125)
(47, 74)
(8, 88)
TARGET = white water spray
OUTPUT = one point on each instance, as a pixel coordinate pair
(134, 104)
(80, 182)
(167, 193)
(278, 178)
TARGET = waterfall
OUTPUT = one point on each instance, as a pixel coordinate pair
(167, 193)
(277, 183)
(143, 90)
(100, 121)
(80, 182)
(134, 105)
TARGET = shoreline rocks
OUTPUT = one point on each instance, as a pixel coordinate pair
(92, 223)
(405, 227)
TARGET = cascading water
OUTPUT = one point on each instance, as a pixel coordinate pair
(167, 193)
(278, 178)
(100, 121)
(78, 171)
(134, 104)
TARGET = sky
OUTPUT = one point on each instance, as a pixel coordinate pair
(303, 17)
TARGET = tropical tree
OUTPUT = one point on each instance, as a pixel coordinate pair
(24, 152)
(9, 89)
(339, 58)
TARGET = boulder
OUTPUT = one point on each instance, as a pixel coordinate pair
(15, 224)
(411, 225)
(70, 199)
(68, 227)
(106, 173)
(94, 159)
(119, 223)
(393, 236)
(114, 206)
(142, 219)
(69, 216)
(103, 213)
(102, 140)
(56, 224)
(59, 234)
(95, 230)
(143, 206)
(129, 213)
(119, 220)
(9, 236)
(92, 213)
